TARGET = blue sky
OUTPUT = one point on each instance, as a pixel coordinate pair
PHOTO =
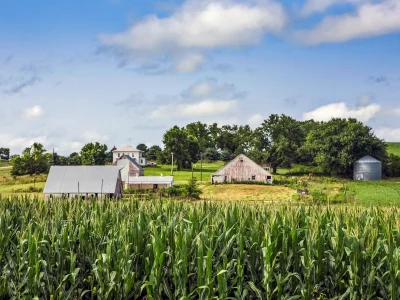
(72, 72)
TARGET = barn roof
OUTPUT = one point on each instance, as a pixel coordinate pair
(233, 161)
(151, 179)
(132, 160)
(368, 159)
(91, 179)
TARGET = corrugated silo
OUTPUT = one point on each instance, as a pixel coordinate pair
(367, 168)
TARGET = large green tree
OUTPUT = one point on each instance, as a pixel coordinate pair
(202, 134)
(94, 154)
(32, 161)
(143, 147)
(285, 137)
(336, 144)
(184, 147)
(74, 159)
(153, 152)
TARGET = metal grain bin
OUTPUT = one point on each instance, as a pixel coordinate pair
(367, 168)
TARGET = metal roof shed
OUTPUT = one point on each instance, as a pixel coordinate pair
(367, 168)
(85, 181)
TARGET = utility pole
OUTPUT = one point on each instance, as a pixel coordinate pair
(201, 166)
(101, 191)
(52, 163)
(172, 163)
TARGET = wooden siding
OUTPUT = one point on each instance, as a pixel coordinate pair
(241, 168)
(147, 186)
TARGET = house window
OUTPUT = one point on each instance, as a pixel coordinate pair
(119, 155)
(141, 161)
(253, 177)
(269, 177)
(155, 186)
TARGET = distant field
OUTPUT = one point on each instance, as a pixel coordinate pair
(393, 148)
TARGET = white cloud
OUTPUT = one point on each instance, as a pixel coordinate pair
(204, 108)
(199, 26)
(370, 19)
(317, 6)
(190, 63)
(255, 120)
(341, 110)
(388, 134)
(33, 112)
(17, 144)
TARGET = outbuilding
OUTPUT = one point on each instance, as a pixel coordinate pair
(83, 181)
(367, 168)
(129, 167)
(242, 168)
(150, 182)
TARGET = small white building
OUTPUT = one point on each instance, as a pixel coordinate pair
(132, 152)
(150, 182)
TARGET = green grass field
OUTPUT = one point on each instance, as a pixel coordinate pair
(383, 192)
(183, 176)
(393, 148)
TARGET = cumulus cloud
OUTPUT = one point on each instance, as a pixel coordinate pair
(18, 143)
(255, 120)
(34, 112)
(189, 63)
(369, 19)
(388, 134)
(197, 27)
(341, 110)
(204, 108)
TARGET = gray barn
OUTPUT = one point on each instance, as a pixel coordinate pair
(367, 168)
(83, 181)
(241, 168)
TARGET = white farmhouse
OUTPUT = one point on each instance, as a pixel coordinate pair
(130, 151)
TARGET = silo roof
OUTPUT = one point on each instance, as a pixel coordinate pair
(368, 159)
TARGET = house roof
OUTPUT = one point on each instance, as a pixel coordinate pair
(91, 179)
(132, 160)
(240, 156)
(368, 159)
(151, 179)
(127, 149)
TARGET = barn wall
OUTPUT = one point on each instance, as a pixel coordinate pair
(241, 169)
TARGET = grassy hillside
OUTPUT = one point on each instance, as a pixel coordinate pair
(393, 148)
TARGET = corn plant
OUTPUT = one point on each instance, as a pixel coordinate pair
(162, 249)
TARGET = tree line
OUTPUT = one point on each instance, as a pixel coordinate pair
(279, 142)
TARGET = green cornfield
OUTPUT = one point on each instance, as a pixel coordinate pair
(62, 249)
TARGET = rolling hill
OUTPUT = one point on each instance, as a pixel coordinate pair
(393, 148)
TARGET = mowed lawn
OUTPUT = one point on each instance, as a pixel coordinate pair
(393, 148)
(382, 192)
(183, 176)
